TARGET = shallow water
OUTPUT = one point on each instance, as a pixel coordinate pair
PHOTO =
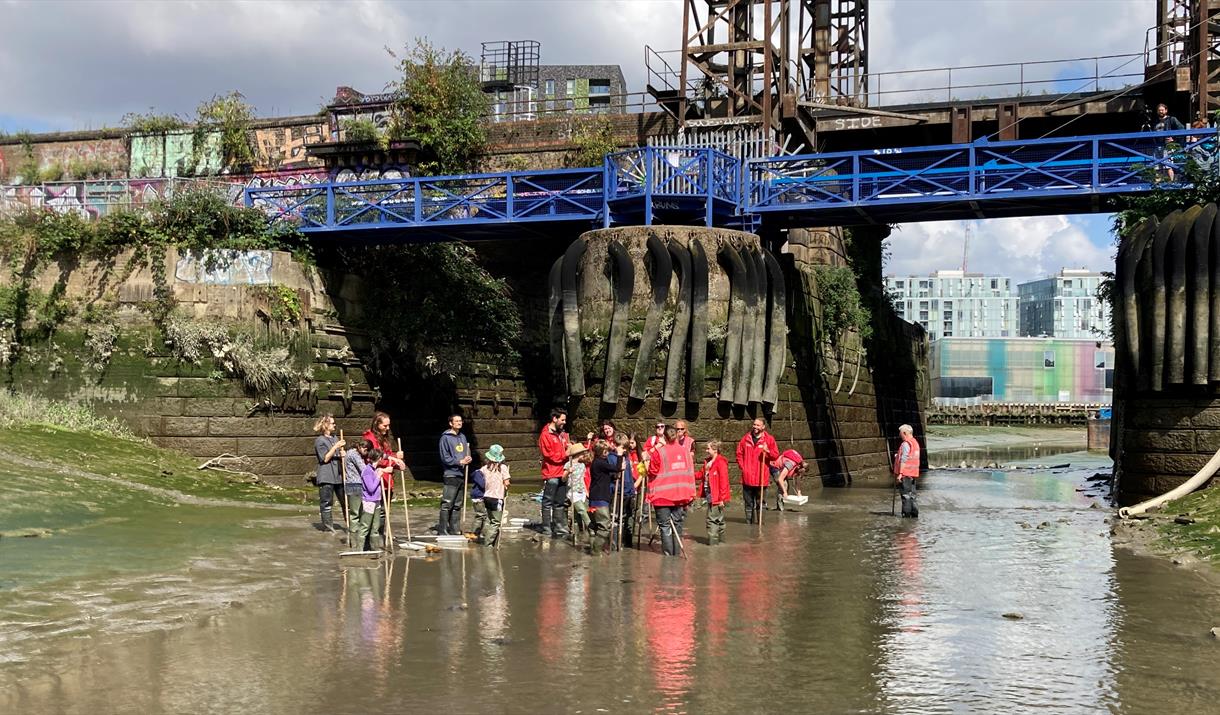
(839, 608)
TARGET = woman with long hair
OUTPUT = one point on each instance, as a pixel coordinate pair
(328, 450)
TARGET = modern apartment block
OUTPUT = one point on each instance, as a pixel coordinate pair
(953, 303)
(566, 89)
(1063, 306)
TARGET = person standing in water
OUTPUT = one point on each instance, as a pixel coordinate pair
(906, 470)
(455, 459)
(329, 451)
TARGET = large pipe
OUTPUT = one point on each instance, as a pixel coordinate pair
(559, 369)
(737, 311)
(749, 328)
(662, 271)
(1143, 300)
(1129, 254)
(759, 345)
(1213, 372)
(570, 278)
(1199, 479)
(1157, 300)
(677, 341)
(698, 327)
(777, 336)
(1175, 297)
(1199, 294)
(623, 271)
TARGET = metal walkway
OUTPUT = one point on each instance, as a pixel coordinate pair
(695, 186)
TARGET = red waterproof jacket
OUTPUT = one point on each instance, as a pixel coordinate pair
(753, 473)
(554, 449)
(906, 461)
(387, 476)
(714, 480)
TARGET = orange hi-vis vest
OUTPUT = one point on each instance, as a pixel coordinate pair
(674, 484)
(910, 467)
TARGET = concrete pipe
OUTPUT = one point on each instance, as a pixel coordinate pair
(662, 271)
(1129, 254)
(1156, 299)
(671, 391)
(570, 279)
(1213, 361)
(559, 369)
(749, 329)
(697, 370)
(759, 346)
(777, 334)
(1198, 294)
(623, 271)
(1175, 296)
(737, 313)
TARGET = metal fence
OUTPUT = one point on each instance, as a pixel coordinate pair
(96, 198)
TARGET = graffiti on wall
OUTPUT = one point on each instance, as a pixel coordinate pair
(173, 154)
(299, 177)
(110, 153)
(88, 199)
(284, 147)
(224, 267)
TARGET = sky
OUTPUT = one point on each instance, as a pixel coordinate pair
(80, 65)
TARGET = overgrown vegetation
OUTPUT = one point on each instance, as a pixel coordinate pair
(229, 117)
(151, 122)
(266, 367)
(593, 139)
(360, 131)
(17, 411)
(441, 106)
(283, 303)
(842, 309)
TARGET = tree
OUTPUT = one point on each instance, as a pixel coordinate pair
(441, 105)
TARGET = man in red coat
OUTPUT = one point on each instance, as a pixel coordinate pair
(553, 445)
(753, 452)
(671, 487)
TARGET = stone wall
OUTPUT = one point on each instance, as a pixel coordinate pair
(1160, 441)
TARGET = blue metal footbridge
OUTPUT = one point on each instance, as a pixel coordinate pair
(700, 186)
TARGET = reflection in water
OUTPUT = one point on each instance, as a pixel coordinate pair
(841, 608)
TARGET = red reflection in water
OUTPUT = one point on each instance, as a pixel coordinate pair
(910, 590)
(669, 617)
(552, 598)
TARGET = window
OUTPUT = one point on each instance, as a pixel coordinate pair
(600, 104)
(899, 284)
(599, 86)
(995, 284)
(570, 89)
(923, 317)
(1103, 360)
(948, 316)
(947, 333)
(1048, 359)
(549, 88)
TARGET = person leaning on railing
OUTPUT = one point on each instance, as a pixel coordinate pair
(1166, 122)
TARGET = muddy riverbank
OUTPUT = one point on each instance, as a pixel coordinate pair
(1009, 593)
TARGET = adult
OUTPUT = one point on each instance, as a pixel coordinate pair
(906, 470)
(671, 487)
(789, 465)
(754, 450)
(1166, 122)
(684, 437)
(329, 451)
(655, 440)
(495, 491)
(455, 459)
(380, 436)
(553, 446)
(606, 431)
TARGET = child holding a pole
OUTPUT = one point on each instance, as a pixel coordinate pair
(370, 497)
(494, 478)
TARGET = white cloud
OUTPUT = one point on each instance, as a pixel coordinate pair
(1020, 248)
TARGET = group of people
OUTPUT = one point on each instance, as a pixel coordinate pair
(608, 481)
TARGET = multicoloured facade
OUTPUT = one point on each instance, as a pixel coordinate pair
(1023, 369)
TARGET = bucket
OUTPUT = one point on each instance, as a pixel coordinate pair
(796, 500)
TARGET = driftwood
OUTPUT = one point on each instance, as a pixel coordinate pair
(238, 465)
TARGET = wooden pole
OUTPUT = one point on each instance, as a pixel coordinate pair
(763, 478)
(406, 512)
(677, 537)
(465, 498)
(385, 508)
(347, 520)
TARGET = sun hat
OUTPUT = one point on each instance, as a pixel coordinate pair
(576, 448)
(494, 453)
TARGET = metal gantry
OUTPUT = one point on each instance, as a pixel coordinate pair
(692, 186)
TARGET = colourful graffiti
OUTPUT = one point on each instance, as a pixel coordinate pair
(173, 154)
(284, 147)
(224, 267)
(109, 153)
(88, 199)
(295, 177)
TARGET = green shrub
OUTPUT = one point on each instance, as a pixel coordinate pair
(360, 131)
(20, 410)
(230, 116)
(152, 123)
(593, 139)
(842, 310)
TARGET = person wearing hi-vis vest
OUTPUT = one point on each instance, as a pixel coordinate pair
(455, 459)
(753, 452)
(906, 470)
(671, 486)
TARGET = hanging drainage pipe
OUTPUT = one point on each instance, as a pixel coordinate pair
(777, 336)
(1199, 479)
(624, 284)
(698, 327)
(759, 346)
(737, 308)
(677, 339)
(662, 271)
(741, 396)
(1157, 296)
(1200, 294)
(559, 368)
(1175, 297)
(1128, 257)
(570, 279)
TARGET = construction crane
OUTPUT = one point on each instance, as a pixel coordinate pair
(965, 249)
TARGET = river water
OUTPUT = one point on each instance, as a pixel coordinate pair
(840, 608)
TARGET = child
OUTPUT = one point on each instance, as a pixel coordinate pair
(715, 478)
(477, 489)
(627, 490)
(494, 477)
(353, 465)
(601, 492)
(578, 484)
(370, 497)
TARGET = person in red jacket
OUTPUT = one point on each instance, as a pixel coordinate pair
(671, 486)
(553, 445)
(789, 465)
(906, 470)
(715, 480)
(753, 452)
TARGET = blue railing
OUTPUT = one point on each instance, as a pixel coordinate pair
(685, 185)
(979, 172)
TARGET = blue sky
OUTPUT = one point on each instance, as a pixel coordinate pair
(82, 65)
